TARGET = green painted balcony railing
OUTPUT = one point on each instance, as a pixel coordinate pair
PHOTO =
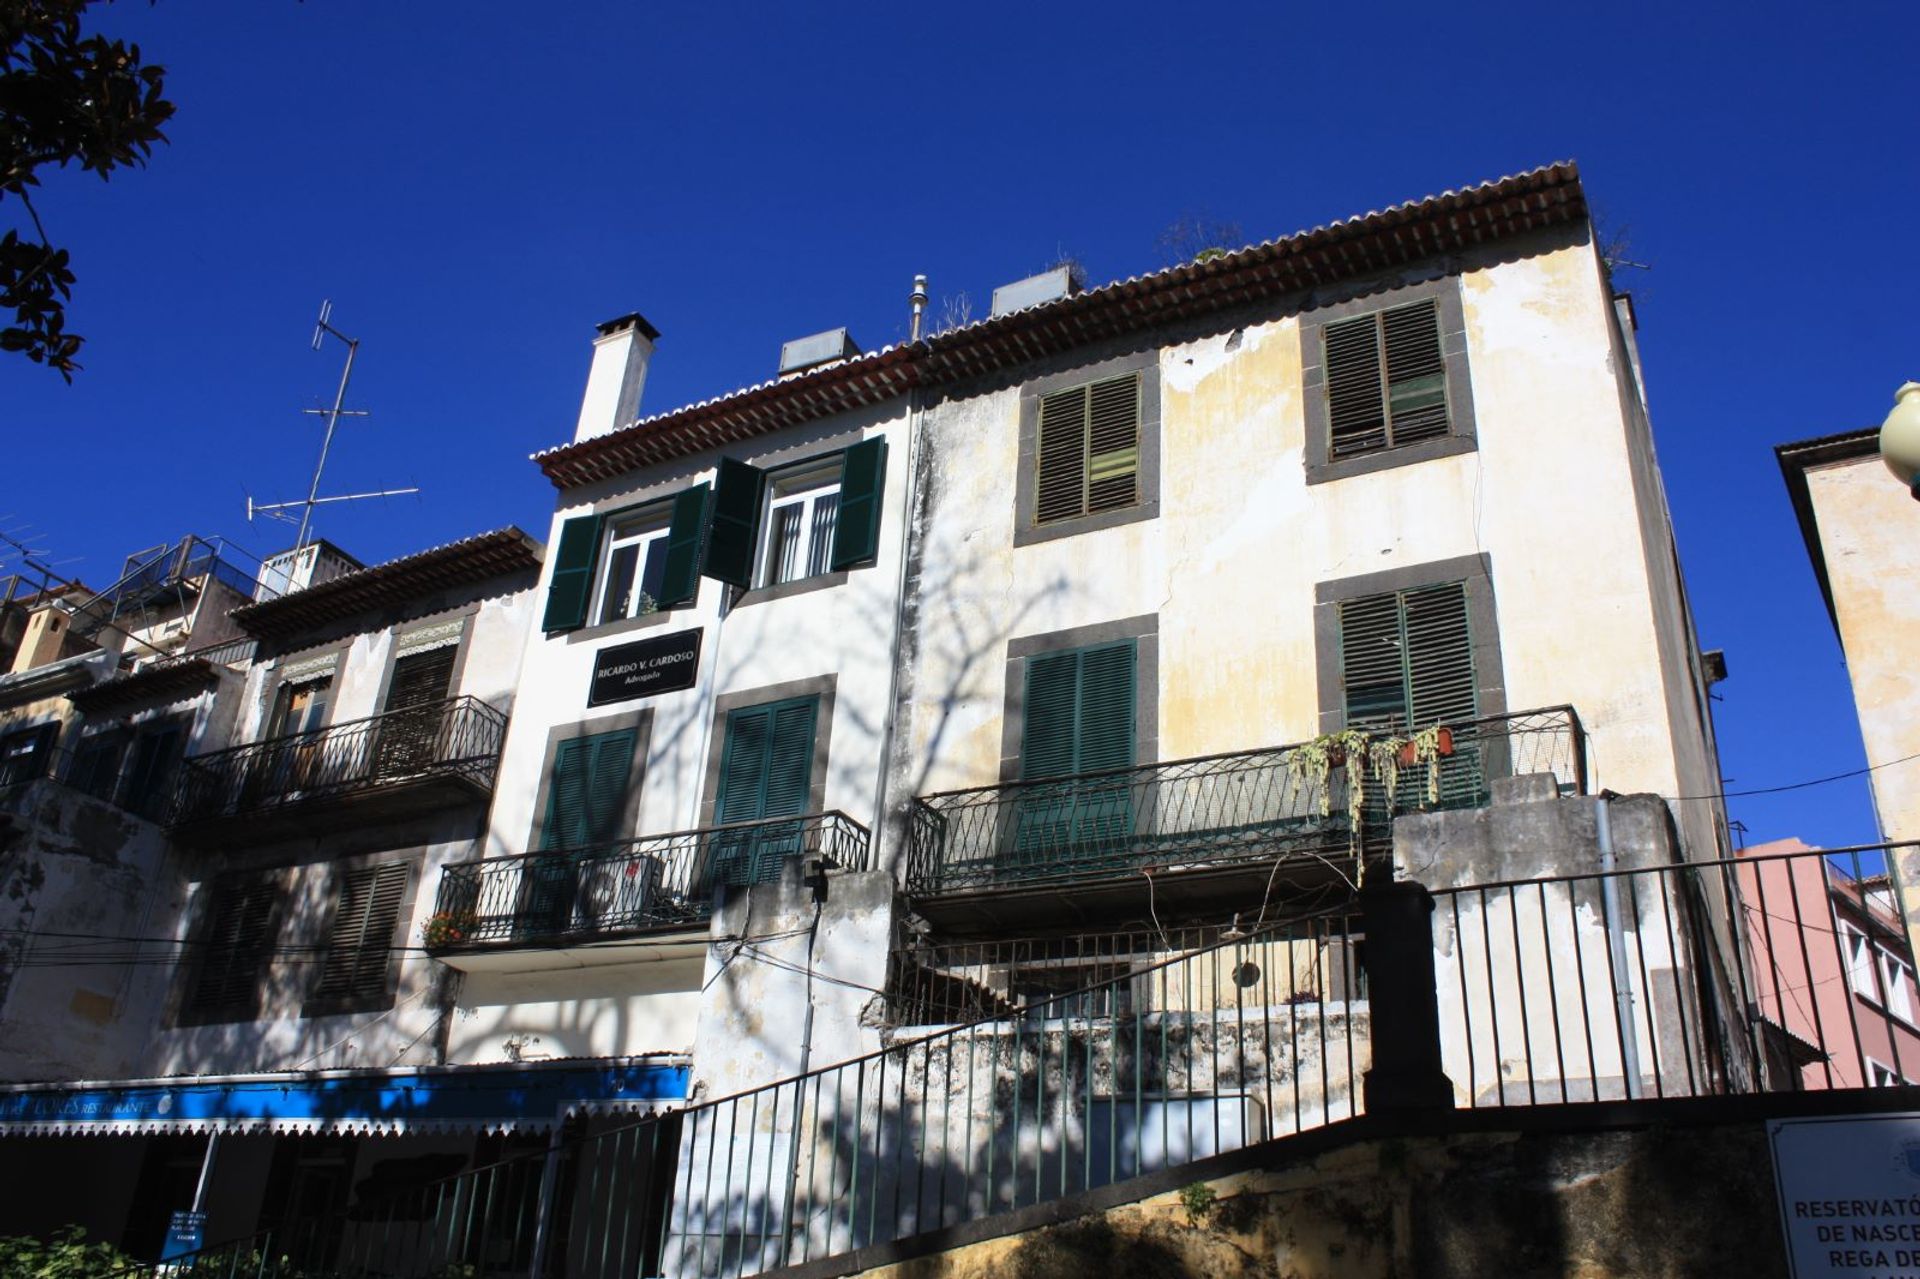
(1210, 811)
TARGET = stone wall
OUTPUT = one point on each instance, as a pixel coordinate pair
(1641, 1202)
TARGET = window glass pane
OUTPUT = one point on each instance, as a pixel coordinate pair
(826, 509)
(653, 577)
(620, 569)
(783, 551)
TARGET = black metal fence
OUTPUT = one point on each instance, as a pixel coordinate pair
(458, 737)
(1220, 809)
(1770, 972)
(1196, 1054)
(661, 881)
(145, 795)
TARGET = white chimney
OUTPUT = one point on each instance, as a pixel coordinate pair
(620, 356)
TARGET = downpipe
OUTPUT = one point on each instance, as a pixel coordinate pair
(1617, 949)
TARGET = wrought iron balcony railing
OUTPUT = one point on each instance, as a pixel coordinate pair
(1216, 810)
(659, 882)
(457, 738)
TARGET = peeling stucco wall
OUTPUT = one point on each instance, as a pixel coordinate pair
(1230, 563)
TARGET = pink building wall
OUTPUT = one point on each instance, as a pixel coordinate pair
(1830, 966)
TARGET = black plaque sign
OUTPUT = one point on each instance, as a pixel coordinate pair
(628, 671)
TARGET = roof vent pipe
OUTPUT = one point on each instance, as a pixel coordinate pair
(919, 300)
(621, 352)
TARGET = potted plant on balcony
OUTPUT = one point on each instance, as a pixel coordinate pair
(449, 928)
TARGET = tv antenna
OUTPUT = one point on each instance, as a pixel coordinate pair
(281, 510)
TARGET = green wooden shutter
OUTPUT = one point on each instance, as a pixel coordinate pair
(733, 531)
(1048, 728)
(863, 478)
(766, 771)
(236, 945)
(1386, 379)
(587, 793)
(359, 944)
(1356, 407)
(1089, 449)
(1104, 736)
(686, 544)
(572, 584)
(789, 760)
(607, 775)
(1416, 373)
(1440, 676)
(1373, 666)
(1407, 659)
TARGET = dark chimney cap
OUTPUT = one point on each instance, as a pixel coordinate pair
(632, 320)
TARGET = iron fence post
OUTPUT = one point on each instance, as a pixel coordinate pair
(1403, 1003)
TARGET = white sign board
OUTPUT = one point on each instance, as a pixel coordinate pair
(1849, 1195)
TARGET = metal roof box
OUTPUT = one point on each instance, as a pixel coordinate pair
(1035, 289)
(816, 349)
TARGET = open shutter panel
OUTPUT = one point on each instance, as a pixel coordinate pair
(686, 547)
(1439, 656)
(743, 768)
(567, 795)
(1113, 443)
(607, 775)
(734, 528)
(1106, 708)
(1356, 409)
(1048, 727)
(863, 478)
(790, 760)
(1416, 375)
(572, 584)
(1373, 663)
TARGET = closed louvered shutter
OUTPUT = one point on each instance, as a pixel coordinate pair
(235, 947)
(1386, 380)
(733, 532)
(766, 771)
(1407, 659)
(360, 945)
(572, 583)
(1089, 450)
(587, 793)
(1079, 712)
(856, 528)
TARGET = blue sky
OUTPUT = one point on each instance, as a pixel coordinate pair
(475, 185)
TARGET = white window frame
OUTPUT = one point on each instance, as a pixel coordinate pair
(1896, 979)
(798, 490)
(1881, 1075)
(644, 529)
(1858, 957)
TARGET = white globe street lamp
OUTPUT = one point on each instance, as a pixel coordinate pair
(1900, 437)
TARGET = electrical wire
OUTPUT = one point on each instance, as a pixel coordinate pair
(1790, 786)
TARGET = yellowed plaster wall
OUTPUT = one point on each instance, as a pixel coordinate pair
(1870, 537)
(1231, 562)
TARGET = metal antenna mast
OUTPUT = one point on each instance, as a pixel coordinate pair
(321, 329)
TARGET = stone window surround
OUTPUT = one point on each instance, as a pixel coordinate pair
(1146, 363)
(1460, 437)
(640, 719)
(398, 634)
(1474, 570)
(342, 650)
(822, 687)
(1143, 630)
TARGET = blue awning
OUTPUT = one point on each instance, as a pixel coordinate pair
(517, 1096)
